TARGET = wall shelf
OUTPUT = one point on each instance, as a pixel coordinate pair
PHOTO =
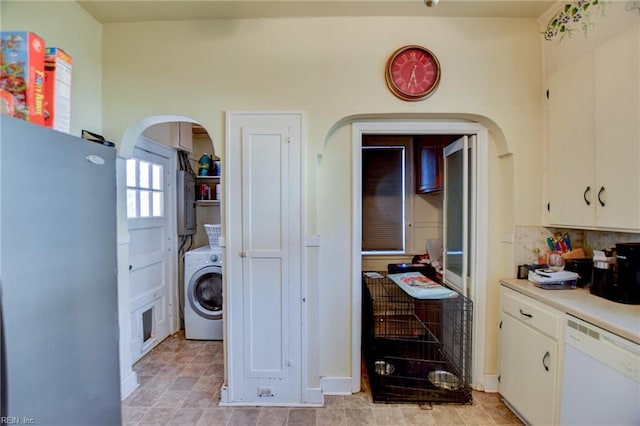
(208, 202)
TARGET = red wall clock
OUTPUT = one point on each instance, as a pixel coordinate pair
(412, 73)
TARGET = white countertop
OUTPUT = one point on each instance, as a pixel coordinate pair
(618, 318)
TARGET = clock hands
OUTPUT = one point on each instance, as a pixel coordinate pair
(413, 76)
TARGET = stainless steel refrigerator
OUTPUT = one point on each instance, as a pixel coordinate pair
(59, 336)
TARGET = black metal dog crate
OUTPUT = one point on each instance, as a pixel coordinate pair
(415, 350)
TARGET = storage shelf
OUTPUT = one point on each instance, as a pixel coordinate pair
(208, 202)
(208, 177)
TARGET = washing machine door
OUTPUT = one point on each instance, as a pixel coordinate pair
(204, 292)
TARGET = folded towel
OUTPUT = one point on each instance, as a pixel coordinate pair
(420, 287)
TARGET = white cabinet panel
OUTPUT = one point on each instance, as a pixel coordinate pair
(184, 139)
(529, 369)
(571, 144)
(617, 130)
(594, 137)
(263, 173)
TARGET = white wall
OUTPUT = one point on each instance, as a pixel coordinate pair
(66, 25)
(332, 68)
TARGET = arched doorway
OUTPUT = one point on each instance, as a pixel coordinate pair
(134, 139)
(478, 271)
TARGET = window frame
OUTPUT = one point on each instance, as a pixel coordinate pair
(135, 185)
(390, 141)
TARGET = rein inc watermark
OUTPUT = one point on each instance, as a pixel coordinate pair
(17, 420)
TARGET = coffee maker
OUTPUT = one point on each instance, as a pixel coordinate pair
(625, 287)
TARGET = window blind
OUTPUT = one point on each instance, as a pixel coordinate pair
(383, 199)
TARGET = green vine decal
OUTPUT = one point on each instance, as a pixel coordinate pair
(572, 16)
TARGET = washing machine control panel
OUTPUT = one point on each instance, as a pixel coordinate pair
(214, 258)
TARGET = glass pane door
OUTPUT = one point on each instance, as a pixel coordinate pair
(456, 214)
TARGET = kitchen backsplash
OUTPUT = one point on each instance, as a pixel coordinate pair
(530, 241)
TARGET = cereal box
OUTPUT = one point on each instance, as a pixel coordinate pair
(57, 89)
(22, 73)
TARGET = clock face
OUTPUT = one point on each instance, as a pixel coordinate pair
(413, 73)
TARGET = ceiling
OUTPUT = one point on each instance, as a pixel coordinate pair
(108, 11)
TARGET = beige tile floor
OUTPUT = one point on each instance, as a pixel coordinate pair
(180, 385)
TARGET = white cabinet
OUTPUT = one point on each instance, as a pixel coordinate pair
(617, 131)
(571, 144)
(175, 134)
(594, 137)
(529, 350)
(184, 139)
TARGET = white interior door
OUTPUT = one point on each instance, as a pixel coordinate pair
(148, 179)
(458, 213)
(264, 258)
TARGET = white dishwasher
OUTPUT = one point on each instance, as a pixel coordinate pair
(600, 379)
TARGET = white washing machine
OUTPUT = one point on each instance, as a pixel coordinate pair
(203, 294)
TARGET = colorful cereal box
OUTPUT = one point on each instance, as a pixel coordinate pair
(22, 73)
(6, 103)
(57, 89)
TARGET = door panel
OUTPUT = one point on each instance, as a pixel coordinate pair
(528, 363)
(265, 355)
(456, 214)
(149, 261)
(264, 201)
(617, 130)
(264, 265)
(571, 145)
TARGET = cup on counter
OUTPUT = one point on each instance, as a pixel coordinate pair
(555, 261)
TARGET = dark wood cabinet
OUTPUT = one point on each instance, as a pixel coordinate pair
(429, 166)
(429, 161)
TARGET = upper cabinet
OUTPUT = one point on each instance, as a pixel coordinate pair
(429, 167)
(175, 134)
(429, 161)
(184, 139)
(594, 137)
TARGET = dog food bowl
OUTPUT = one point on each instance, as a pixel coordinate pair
(444, 380)
(383, 368)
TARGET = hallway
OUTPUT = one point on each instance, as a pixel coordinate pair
(180, 384)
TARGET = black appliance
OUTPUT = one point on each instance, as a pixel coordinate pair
(626, 287)
(601, 278)
(581, 266)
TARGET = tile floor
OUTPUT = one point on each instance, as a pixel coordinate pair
(180, 385)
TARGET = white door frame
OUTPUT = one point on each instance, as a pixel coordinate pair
(231, 392)
(172, 227)
(480, 245)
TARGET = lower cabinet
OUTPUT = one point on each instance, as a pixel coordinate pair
(529, 349)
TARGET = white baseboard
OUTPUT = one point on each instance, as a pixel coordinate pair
(128, 385)
(490, 383)
(336, 385)
(313, 396)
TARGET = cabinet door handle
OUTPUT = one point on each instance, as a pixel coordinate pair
(544, 360)
(584, 195)
(525, 314)
(599, 196)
